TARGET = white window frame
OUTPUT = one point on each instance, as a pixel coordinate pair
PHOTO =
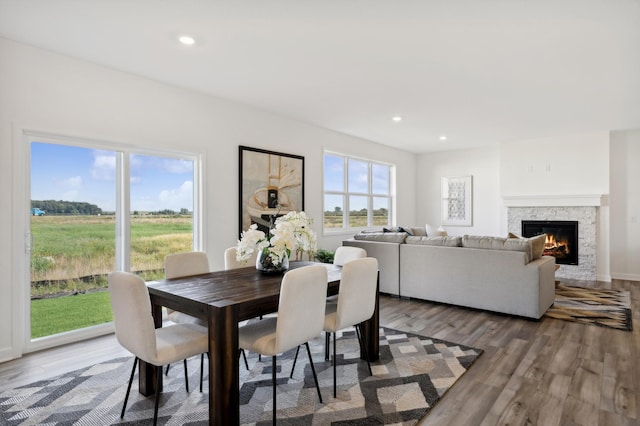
(345, 193)
(22, 342)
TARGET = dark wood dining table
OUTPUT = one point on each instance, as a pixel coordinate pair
(223, 299)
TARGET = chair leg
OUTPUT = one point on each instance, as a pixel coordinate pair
(293, 367)
(166, 373)
(313, 370)
(158, 384)
(273, 381)
(335, 392)
(244, 356)
(326, 345)
(126, 397)
(363, 348)
(201, 370)
(186, 375)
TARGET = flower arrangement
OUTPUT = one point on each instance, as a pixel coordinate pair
(290, 233)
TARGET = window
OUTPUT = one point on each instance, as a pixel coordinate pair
(357, 193)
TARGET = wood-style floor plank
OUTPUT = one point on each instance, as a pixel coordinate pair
(548, 372)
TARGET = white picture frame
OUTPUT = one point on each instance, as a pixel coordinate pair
(457, 200)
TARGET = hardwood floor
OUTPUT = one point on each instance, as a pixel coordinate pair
(547, 372)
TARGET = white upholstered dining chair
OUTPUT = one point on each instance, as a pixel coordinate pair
(136, 332)
(180, 265)
(300, 319)
(356, 303)
(344, 254)
(230, 261)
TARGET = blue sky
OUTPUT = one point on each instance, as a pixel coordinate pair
(70, 173)
(358, 181)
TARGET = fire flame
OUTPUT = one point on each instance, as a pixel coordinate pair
(551, 244)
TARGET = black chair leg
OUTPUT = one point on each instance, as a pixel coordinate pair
(273, 380)
(313, 370)
(158, 385)
(126, 397)
(166, 373)
(363, 348)
(244, 356)
(326, 346)
(201, 370)
(335, 392)
(186, 375)
(293, 367)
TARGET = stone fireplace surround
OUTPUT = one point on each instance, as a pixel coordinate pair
(583, 209)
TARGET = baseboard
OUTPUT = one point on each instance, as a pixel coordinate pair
(628, 277)
(6, 354)
(603, 278)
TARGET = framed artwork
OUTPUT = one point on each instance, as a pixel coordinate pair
(271, 185)
(457, 200)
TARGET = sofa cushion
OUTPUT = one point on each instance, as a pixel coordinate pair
(384, 237)
(435, 241)
(498, 243)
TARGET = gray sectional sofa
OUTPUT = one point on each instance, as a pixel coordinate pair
(506, 275)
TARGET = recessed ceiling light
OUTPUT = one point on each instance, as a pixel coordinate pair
(443, 138)
(396, 119)
(187, 40)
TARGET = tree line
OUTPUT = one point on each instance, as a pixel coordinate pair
(66, 207)
(60, 207)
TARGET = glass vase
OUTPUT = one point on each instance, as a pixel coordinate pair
(266, 265)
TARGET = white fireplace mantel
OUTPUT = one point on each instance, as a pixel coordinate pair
(552, 200)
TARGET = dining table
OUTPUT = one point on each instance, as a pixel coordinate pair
(223, 299)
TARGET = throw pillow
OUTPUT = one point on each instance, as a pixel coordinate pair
(419, 231)
(537, 244)
(435, 232)
(406, 229)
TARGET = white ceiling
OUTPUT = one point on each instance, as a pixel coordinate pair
(480, 72)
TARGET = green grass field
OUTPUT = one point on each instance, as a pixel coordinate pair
(75, 254)
(52, 316)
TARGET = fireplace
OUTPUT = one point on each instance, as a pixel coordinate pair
(562, 238)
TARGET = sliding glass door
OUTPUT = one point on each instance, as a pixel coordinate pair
(94, 210)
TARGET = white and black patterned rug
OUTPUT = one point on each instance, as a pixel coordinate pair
(412, 374)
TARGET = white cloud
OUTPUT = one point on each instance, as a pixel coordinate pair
(178, 198)
(104, 166)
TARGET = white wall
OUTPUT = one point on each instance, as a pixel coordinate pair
(567, 165)
(625, 205)
(484, 165)
(44, 91)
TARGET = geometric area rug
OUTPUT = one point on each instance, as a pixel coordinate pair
(412, 374)
(601, 307)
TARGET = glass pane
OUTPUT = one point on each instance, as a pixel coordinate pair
(381, 211)
(161, 212)
(333, 173)
(333, 211)
(380, 176)
(73, 237)
(358, 211)
(358, 176)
